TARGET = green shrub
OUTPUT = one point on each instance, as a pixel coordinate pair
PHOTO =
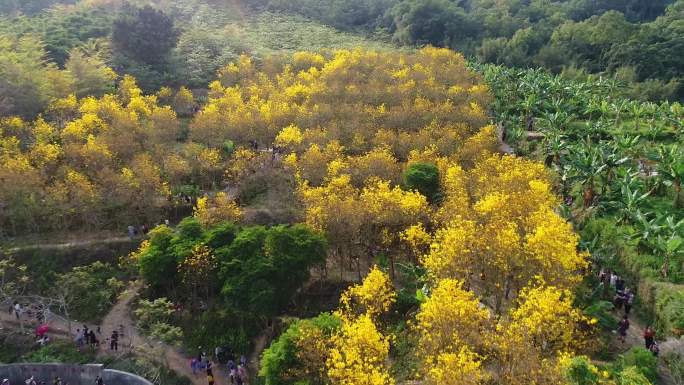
(279, 362)
(149, 313)
(632, 376)
(581, 372)
(643, 360)
(90, 290)
(220, 326)
(675, 364)
(60, 351)
(167, 333)
(424, 178)
(601, 310)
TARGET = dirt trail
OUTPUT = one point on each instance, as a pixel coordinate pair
(635, 337)
(133, 341)
(66, 245)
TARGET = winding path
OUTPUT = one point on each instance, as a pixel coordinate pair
(119, 317)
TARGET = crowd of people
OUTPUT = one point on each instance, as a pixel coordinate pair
(237, 369)
(87, 337)
(614, 287)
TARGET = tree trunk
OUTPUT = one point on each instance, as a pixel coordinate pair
(665, 270)
(678, 194)
(588, 196)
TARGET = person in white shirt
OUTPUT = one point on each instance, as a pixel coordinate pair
(17, 309)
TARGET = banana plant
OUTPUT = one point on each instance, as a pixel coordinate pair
(636, 108)
(671, 170)
(618, 108)
(670, 246)
(586, 167)
(627, 145)
(555, 145)
(629, 202)
(648, 228)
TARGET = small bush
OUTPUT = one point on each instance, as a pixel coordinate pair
(424, 178)
(60, 351)
(601, 310)
(643, 360)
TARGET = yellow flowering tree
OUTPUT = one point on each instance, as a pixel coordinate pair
(373, 297)
(211, 211)
(451, 317)
(460, 368)
(359, 354)
(198, 269)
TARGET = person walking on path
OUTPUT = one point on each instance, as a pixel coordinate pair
(194, 365)
(629, 301)
(114, 343)
(17, 309)
(232, 370)
(613, 279)
(99, 381)
(79, 339)
(623, 326)
(654, 349)
(241, 375)
(210, 375)
(649, 337)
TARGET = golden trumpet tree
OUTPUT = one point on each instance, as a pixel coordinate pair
(217, 209)
(373, 297)
(358, 355)
(451, 317)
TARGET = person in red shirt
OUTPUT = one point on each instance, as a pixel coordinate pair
(649, 337)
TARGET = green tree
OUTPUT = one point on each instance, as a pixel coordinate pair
(91, 75)
(424, 178)
(89, 290)
(156, 261)
(146, 35)
(263, 268)
(285, 362)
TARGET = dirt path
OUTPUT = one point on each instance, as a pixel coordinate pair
(66, 245)
(119, 318)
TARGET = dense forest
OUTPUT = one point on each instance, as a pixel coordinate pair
(639, 43)
(345, 192)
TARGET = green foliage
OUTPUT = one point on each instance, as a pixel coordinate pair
(64, 29)
(579, 372)
(154, 318)
(632, 376)
(669, 307)
(263, 268)
(602, 311)
(90, 290)
(278, 358)
(432, 22)
(91, 75)
(643, 361)
(675, 364)
(146, 35)
(157, 265)
(259, 271)
(60, 351)
(424, 178)
(29, 6)
(149, 313)
(279, 361)
(28, 81)
(341, 14)
(221, 326)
